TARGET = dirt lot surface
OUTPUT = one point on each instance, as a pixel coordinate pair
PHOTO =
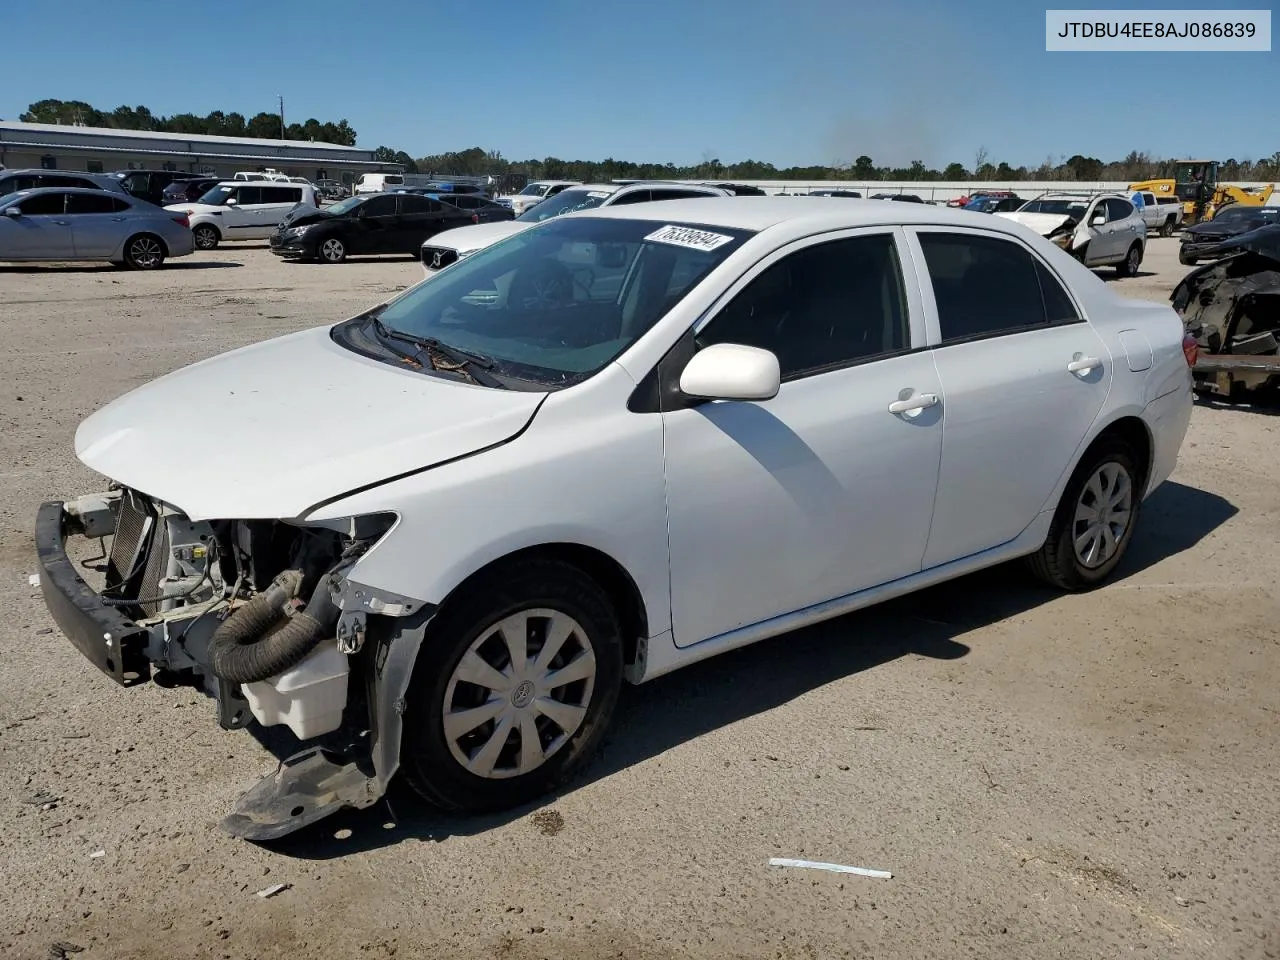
(1045, 776)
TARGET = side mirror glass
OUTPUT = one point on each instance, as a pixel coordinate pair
(732, 371)
(232, 201)
(1098, 220)
(14, 212)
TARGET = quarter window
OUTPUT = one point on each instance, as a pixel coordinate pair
(826, 305)
(985, 286)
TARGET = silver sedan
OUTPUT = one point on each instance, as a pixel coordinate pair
(63, 223)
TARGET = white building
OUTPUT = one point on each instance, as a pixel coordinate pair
(102, 150)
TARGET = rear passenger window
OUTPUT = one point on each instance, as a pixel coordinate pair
(94, 203)
(1118, 209)
(639, 196)
(247, 195)
(281, 195)
(985, 286)
(823, 306)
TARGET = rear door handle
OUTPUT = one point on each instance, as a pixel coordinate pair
(911, 404)
(61, 223)
(1083, 364)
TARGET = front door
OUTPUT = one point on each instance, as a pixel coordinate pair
(1024, 379)
(827, 488)
(42, 232)
(240, 219)
(378, 226)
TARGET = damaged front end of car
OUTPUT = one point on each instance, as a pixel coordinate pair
(262, 615)
(1232, 308)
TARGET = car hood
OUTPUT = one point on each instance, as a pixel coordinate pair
(477, 236)
(1042, 223)
(270, 430)
(302, 214)
(1264, 241)
(1220, 229)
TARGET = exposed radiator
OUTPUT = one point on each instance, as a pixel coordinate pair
(139, 552)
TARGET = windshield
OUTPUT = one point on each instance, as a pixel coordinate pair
(566, 201)
(344, 206)
(1067, 208)
(983, 204)
(217, 196)
(556, 303)
(533, 190)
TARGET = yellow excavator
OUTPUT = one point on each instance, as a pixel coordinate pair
(1195, 183)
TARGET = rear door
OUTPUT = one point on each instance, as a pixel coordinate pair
(1023, 378)
(99, 223)
(1126, 226)
(42, 232)
(276, 201)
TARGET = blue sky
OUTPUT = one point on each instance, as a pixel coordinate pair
(824, 81)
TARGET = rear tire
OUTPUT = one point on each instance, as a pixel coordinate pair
(1166, 228)
(1095, 519)
(483, 732)
(1128, 267)
(144, 251)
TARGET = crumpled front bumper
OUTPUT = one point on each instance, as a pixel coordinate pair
(109, 640)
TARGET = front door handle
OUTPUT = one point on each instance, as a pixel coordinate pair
(912, 404)
(61, 223)
(1083, 364)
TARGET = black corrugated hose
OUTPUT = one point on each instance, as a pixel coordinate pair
(245, 649)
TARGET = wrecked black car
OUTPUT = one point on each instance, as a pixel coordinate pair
(1198, 241)
(1232, 308)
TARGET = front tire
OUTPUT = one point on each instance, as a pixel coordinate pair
(331, 250)
(206, 237)
(144, 252)
(514, 688)
(1185, 260)
(1094, 521)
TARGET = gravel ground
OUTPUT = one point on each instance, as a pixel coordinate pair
(1045, 776)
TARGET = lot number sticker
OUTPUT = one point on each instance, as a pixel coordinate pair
(688, 237)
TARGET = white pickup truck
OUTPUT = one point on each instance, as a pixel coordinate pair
(1161, 217)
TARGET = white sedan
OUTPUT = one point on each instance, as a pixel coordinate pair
(444, 532)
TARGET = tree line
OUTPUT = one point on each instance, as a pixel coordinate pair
(265, 126)
(480, 162)
(1136, 166)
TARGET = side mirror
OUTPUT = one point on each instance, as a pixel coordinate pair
(231, 201)
(732, 371)
(14, 212)
(1098, 219)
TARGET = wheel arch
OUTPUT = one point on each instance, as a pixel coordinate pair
(211, 225)
(612, 577)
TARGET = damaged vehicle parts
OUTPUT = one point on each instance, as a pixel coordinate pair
(1232, 309)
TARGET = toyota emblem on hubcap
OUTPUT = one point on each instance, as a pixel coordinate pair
(522, 695)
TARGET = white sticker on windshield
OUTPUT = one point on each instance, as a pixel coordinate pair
(598, 194)
(688, 237)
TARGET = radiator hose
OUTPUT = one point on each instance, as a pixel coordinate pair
(247, 648)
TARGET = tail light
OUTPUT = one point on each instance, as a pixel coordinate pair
(1190, 349)
(183, 219)
(475, 218)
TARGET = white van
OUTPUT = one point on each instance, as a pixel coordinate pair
(239, 210)
(378, 182)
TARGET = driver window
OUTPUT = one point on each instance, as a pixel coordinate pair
(827, 305)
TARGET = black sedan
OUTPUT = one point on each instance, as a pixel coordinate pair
(1231, 222)
(485, 209)
(365, 224)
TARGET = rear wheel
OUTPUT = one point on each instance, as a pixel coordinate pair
(143, 252)
(1095, 519)
(206, 237)
(514, 688)
(1166, 228)
(1128, 267)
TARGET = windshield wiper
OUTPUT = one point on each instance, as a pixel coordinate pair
(454, 360)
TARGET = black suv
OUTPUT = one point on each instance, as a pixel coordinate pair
(367, 223)
(188, 190)
(149, 185)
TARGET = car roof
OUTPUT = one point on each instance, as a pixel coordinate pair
(761, 213)
(91, 191)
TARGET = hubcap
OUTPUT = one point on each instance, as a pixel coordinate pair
(205, 238)
(1102, 515)
(332, 250)
(1133, 261)
(145, 252)
(519, 693)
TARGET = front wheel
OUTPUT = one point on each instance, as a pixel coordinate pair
(1094, 521)
(205, 236)
(331, 250)
(514, 688)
